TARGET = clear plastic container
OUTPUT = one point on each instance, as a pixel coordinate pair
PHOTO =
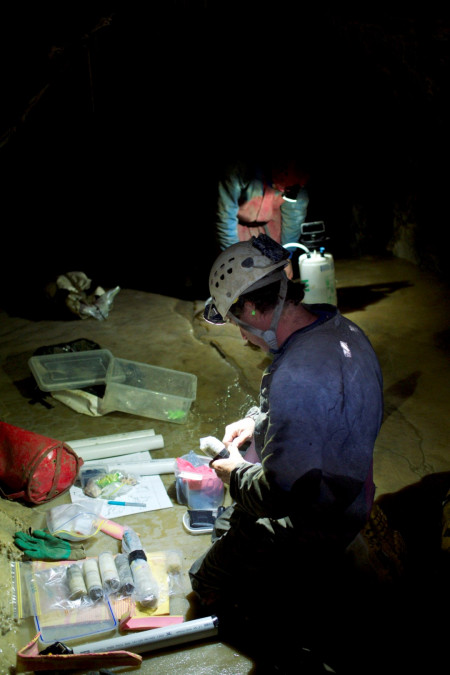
(71, 370)
(61, 626)
(150, 391)
(59, 618)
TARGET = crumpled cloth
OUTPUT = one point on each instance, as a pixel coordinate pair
(83, 302)
(81, 401)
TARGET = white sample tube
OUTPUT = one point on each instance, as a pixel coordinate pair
(131, 541)
(124, 571)
(108, 572)
(150, 468)
(146, 587)
(155, 638)
(145, 584)
(77, 587)
(92, 579)
(112, 438)
(115, 448)
(211, 446)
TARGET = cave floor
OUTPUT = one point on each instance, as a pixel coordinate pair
(404, 312)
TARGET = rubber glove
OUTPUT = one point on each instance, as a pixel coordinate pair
(41, 545)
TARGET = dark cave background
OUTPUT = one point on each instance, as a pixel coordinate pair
(116, 119)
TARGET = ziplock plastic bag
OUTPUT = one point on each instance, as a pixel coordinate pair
(75, 522)
(197, 484)
(21, 575)
(98, 482)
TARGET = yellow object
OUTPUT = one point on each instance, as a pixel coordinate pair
(158, 566)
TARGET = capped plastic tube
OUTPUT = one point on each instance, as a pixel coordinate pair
(146, 586)
(156, 638)
(151, 467)
(113, 448)
(108, 572)
(112, 438)
(75, 580)
(124, 571)
(92, 579)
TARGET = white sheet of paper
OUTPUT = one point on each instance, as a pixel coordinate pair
(149, 491)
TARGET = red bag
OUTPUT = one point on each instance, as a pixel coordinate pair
(33, 467)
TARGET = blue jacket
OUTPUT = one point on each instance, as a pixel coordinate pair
(321, 407)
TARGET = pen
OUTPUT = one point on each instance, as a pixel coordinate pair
(126, 503)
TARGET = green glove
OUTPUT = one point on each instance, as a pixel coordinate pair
(43, 546)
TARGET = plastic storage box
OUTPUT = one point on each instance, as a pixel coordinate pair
(57, 619)
(150, 391)
(71, 370)
(62, 626)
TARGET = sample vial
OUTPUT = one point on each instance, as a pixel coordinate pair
(77, 587)
(147, 591)
(108, 572)
(125, 576)
(92, 579)
(130, 541)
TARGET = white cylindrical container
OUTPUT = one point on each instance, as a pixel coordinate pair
(92, 579)
(318, 275)
(112, 438)
(146, 586)
(130, 541)
(115, 448)
(124, 571)
(77, 587)
(150, 468)
(155, 638)
(108, 572)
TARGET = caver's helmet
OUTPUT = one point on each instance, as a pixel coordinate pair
(242, 268)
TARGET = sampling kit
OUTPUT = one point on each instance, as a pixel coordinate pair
(123, 600)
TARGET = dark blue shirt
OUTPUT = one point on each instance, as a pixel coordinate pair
(321, 408)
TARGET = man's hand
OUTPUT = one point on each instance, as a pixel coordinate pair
(239, 433)
(224, 467)
(289, 270)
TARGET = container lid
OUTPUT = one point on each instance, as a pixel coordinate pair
(70, 370)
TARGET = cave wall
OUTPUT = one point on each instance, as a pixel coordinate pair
(116, 122)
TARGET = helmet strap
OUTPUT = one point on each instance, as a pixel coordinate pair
(270, 335)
